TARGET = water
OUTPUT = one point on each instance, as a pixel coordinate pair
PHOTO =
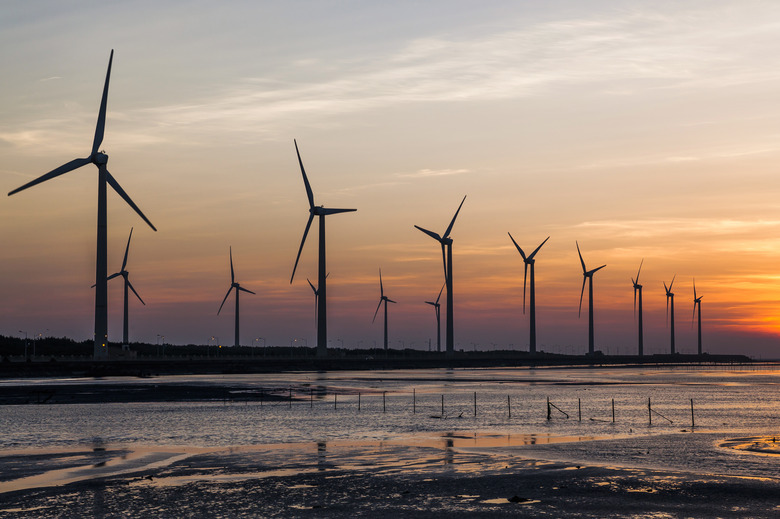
(732, 401)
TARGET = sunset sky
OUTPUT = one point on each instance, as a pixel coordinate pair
(644, 130)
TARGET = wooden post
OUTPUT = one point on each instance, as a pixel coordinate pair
(549, 413)
(414, 401)
(579, 409)
(649, 412)
(358, 401)
(475, 403)
(442, 406)
(509, 406)
(311, 397)
(693, 422)
(290, 398)
(384, 402)
(335, 400)
(261, 398)
(613, 410)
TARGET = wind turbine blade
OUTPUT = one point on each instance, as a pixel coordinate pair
(134, 292)
(582, 293)
(312, 286)
(430, 303)
(639, 271)
(121, 192)
(667, 289)
(309, 193)
(70, 166)
(326, 211)
(440, 291)
(391, 301)
(112, 276)
(693, 315)
(444, 261)
(245, 290)
(667, 308)
(429, 233)
(101, 122)
(381, 288)
(127, 249)
(672, 283)
(635, 289)
(694, 289)
(597, 269)
(447, 233)
(518, 246)
(537, 249)
(525, 276)
(377, 310)
(223, 301)
(232, 273)
(584, 270)
(298, 257)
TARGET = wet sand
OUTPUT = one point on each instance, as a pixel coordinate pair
(460, 476)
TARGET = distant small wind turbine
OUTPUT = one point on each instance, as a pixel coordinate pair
(124, 273)
(446, 254)
(238, 288)
(316, 297)
(697, 303)
(587, 276)
(670, 297)
(529, 260)
(382, 299)
(99, 159)
(322, 212)
(638, 289)
(437, 307)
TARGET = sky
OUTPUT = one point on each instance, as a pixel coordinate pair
(644, 130)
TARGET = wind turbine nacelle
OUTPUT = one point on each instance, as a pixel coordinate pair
(100, 158)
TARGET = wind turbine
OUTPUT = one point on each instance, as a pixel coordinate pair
(382, 299)
(446, 255)
(322, 212)
(238, 288)
(437, 307)
(99, 159)
(316, 296)
(697, 302)
(529, 260)
(124, 273)
(587, 275)
(638, 289)
(670, 297)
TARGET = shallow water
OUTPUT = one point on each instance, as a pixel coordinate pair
(361, 406)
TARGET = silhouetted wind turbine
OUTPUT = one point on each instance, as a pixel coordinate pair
(697, 302)
(322, 212)
(238, 288)
(529, 260)
(638, 289)
(587, 275)
(437, 307)
(99, 159)
(670, 297)
(124, 273)
(316, 297)
(382, 299)
(446, 254)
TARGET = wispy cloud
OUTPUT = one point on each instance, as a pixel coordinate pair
(422, 173)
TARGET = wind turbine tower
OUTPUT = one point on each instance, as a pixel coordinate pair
(437, 308)
(239, 288)
(382, 299)
(446, 254)
(587, 276)
(638, 290)
(100, 160)
(670, 297)
(697, 303)
(530, 261)
(322, 300)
